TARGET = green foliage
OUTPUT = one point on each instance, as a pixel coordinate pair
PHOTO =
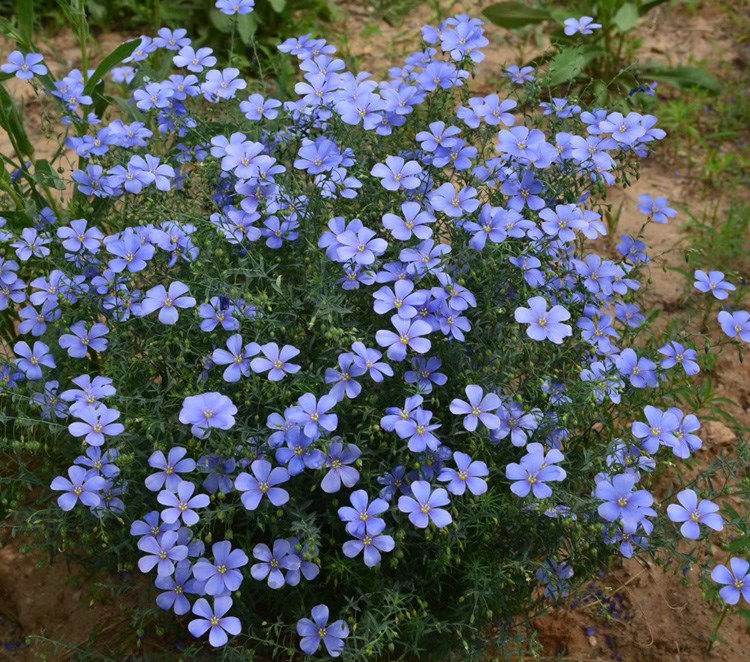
(270, 22)
(608, 55)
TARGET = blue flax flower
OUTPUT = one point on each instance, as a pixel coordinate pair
(275, 361)
(424, 506)
(318, 630)
(543, 323)
(372, 542)
(692, 513)
(214, 620)
(338, 459)
(273, 562)
(735, 325)
(714, 283)
(362, 515)
(206, 411)
(263, 482)
(620, 502)
(479, 408)
(221, 577)
(23, 66)
(468, 474)
(162, 552)
(170, 468)
(84, 486)
(736, 580)
(181, 504)
(534, 471)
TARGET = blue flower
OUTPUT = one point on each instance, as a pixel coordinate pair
(397, 173)
(338, 458)
(408, 334)
(236, 358)
(30, 361)
(584, 25)
(657, 209)
(232, 7)
(736, 580)
(273, 562)
(424, 373)
(181, 504)
(276, 361)
(193, 60)
(95, 423)
(677, 354)
(736, 324)
(362, 515)
(318, 630)
(414, 222)
(640, 371)
(221, 577)
(170, 469)
(535, 470)
(263, 482)
(480, 407)
(424, 506)
(692, 513)
(162, 552)
(372, 542)
(620, 502)
(175, 589)
(23, 66)
(214, 621)
(206, 411)
(81, 340)
(84, 486)
(467, 474)
(544, 324)
(714, 283)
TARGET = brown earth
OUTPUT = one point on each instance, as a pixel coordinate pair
(636, 612)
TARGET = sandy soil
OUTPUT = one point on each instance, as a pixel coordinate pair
(635, 612)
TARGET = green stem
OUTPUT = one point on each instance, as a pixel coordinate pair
(17, 199)
(715, 633)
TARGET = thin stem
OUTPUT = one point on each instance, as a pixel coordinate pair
(715, 633)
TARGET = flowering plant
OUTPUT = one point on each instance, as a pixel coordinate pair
(348, 356)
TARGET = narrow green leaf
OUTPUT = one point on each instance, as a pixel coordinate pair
(10, 120)
(277, 5)
(25, 13)
(683, 78)
(626, 18)
(514, 15)
(110, 62)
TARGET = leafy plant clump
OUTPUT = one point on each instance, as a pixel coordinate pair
(595, 48)
(341, 374)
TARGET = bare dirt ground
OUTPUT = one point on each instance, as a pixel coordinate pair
(633, 613)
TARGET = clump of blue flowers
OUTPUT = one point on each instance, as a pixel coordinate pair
(345, 366)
